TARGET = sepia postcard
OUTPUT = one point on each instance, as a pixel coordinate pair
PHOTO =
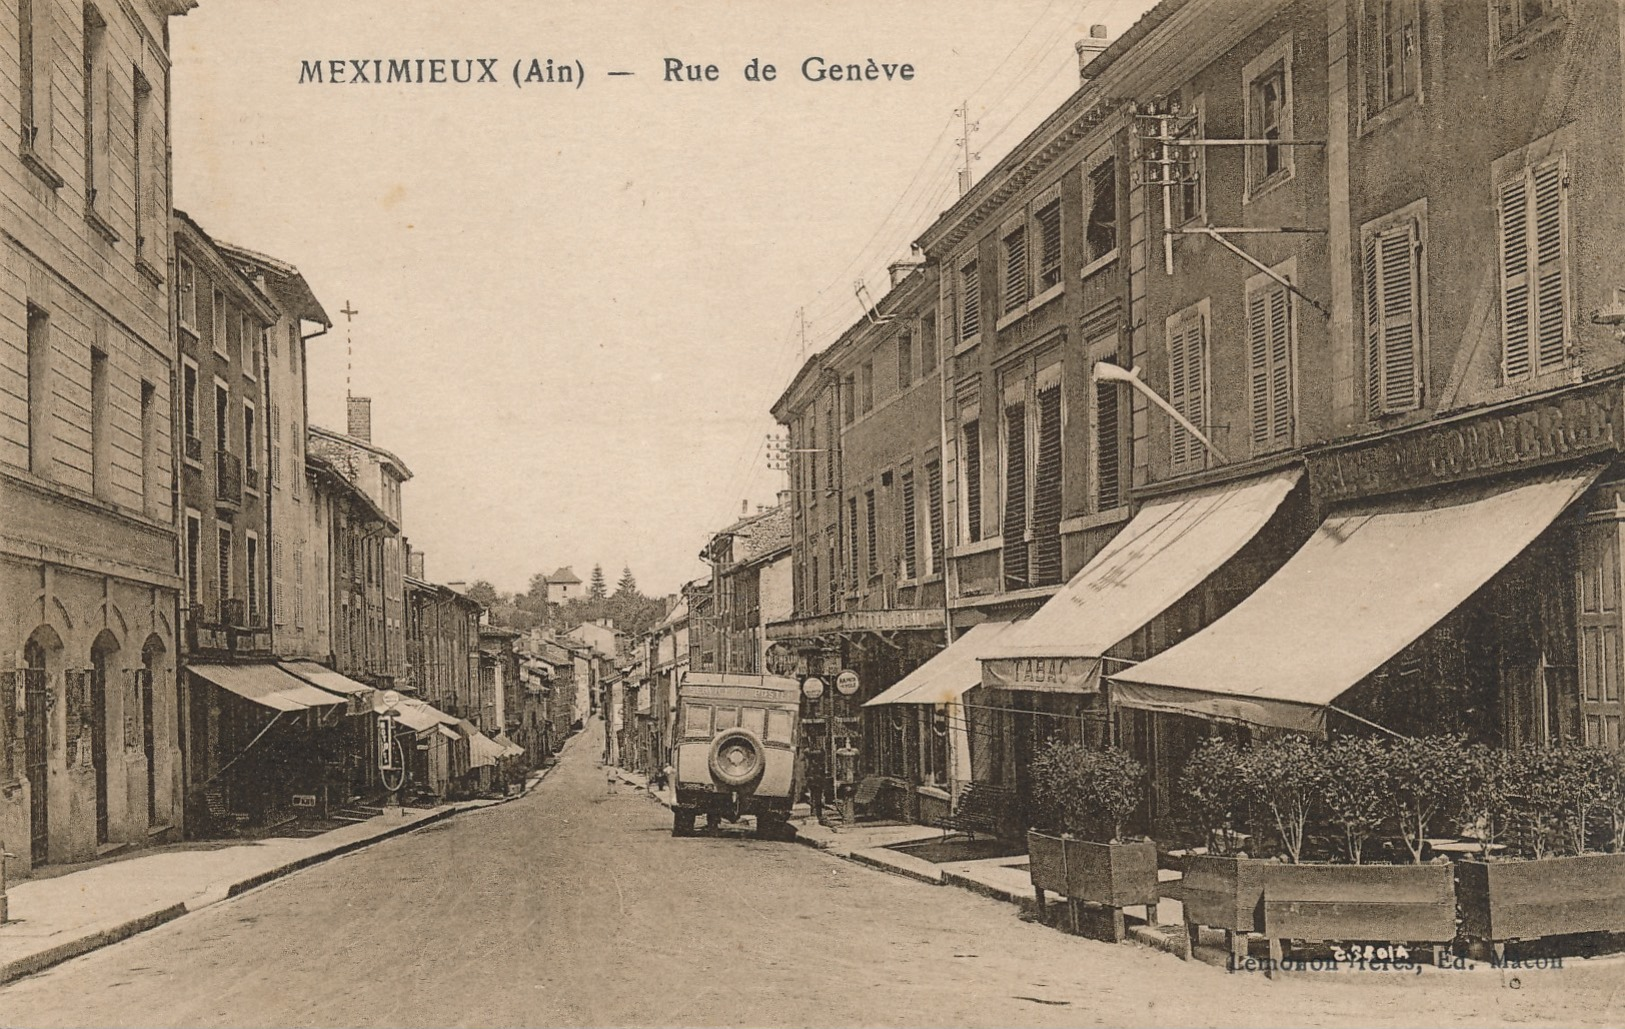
(854, 513)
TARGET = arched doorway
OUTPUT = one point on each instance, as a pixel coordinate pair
(42, 655)
(103, 663)
(152, 671)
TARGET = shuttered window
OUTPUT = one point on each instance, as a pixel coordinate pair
(1047, 479)
(1108, 448)
(970, 300)
(973, 480)
(1015, 268)
(911, 551)
(1187, 388)
(852, 543)
(1534, 293)
(1393, 313)
(870, 533)
(933, 497)
(1014, 524)
(1049, 243)
(905, 361)
(834, 575)
(1269, 366)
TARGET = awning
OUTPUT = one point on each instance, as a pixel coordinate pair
(1366, 585)
(483, 752)
(1166, 551)
(326, 678)
(950, 671)
(266, 685)
(448, 732)
(509, 747)
(414, 714)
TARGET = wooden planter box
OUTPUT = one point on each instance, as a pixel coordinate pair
(1402, 903)
(1116, 875)
(1224, 892)
(1522, 900)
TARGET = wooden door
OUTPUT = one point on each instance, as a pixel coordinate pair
(37, 749)
(1597, 578)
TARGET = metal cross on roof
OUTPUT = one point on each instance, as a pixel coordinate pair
(348, 312)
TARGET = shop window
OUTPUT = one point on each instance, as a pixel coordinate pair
(1534, 255)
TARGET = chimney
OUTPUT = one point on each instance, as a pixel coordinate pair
(900, 270)
(1089, 49)
(460, 586)
(784, 499)
(414, 565)
(359, 411)
(744, 508)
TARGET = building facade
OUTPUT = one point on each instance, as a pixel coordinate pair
(90, 573)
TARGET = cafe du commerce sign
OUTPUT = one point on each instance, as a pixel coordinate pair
(1576, 424)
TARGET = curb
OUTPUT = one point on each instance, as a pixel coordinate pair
(864, 858)
(39, 962)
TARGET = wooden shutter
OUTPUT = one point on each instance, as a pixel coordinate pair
(1393, 330)
(1049, 230)
(870, 534)
(1550, 291)
(933, 496)
(1108, 454)
(1015, 268)
(970, 301)
(1047, 489)
(1269, 349)
(1014, 524)
(1514, 206)
(1187, 389)
(973, 480)
(910, 531)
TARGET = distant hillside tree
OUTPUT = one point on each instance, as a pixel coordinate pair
(628, 585)
(598, 589)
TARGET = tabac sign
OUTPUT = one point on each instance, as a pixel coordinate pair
(1043, 674)
(1575, 424)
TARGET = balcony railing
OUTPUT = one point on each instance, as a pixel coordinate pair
(194, 449)
(251, 478)
(232, 633)
(228, 478)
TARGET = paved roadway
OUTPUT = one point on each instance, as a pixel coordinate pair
(575, 906)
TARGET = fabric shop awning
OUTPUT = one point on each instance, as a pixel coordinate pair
(1162, 554)
(483, 752)
(326, 678)
(950, 671)
(266, 685)
(1365, 586)
(509, 747)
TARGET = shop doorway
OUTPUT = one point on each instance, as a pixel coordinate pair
(103, 659)
(38, 654)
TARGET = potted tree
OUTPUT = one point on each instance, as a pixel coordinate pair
(1083, 798)
(1222, 888)
(1559, 880)
(1415, 780)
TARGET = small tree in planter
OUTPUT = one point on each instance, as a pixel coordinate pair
(1350, 783)
(1556, 793)
(1284, 776)
(1085, 797)
(1491, 780)
(1214, 793)
(1424, 782)
(1613, 796)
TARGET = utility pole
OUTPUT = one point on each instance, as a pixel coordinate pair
(349, 314)
(966, 127)
(801, 329)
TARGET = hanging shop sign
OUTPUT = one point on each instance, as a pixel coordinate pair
(847, 682)
(812, 687)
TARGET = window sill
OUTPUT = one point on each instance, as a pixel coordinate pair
(36, 164)
(1519, 44)
(1393, 112)
(1043, 299)
(97, 222)
(1099, 263)
(1100, 519)
(149, 271)
(1269, 185)
(981, 546)
(967, 344)
(188, 329)
(1010, 317)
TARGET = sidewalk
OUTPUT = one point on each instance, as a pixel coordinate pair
(60, 917)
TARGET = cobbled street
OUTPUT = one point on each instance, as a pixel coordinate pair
(575, 906)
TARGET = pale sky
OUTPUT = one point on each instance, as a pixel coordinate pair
(578, 304)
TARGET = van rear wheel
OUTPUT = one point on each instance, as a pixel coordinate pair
(682, 822)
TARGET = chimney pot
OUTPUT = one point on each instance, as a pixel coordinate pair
(1090, 48)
